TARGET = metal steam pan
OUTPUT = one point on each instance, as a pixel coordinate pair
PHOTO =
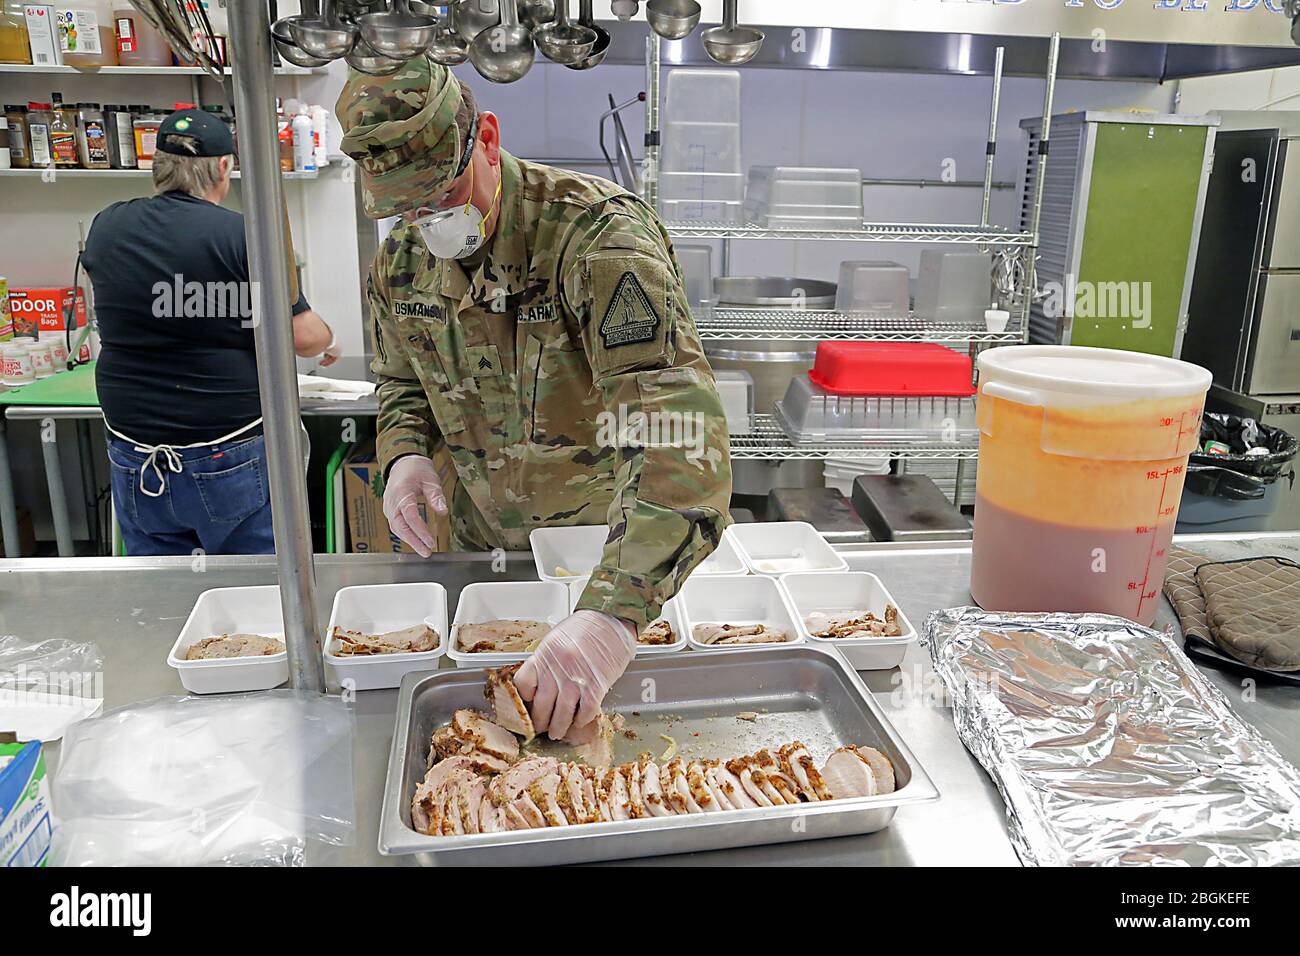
(800, 693)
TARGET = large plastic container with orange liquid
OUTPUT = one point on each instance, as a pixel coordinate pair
(1082, 457)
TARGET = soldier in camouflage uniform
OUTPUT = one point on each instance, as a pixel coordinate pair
(555, 359)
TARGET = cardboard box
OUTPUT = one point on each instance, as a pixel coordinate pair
(43, 309)
(363, 492)
(42, 34)
(25, 822)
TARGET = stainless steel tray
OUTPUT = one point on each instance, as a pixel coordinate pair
(802, 693)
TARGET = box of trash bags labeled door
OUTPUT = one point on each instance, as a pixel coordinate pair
(363, 492)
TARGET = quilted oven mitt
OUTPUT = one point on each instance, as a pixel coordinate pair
(1252, 609)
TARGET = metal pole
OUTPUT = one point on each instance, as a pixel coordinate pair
(264, 226)
(85, 451)
(991, 149)
(58, 497)
(8, 511)
(650, 173)
(1040, 175)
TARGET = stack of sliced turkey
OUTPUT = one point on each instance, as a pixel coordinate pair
(477, 781)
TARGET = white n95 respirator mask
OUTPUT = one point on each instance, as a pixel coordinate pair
(457, 232)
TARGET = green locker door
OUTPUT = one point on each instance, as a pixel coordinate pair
(1145, 183)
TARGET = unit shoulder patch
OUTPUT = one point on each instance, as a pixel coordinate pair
(631, 316)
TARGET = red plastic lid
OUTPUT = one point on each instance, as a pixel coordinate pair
(892, 368)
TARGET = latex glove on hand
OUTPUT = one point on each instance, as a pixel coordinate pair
(333, 352)
(573, 669)
(411, 478)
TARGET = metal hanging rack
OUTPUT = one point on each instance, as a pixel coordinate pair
(744, 324)
(766, 441)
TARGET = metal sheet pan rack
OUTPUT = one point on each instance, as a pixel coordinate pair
(720, 324)
(767, 441)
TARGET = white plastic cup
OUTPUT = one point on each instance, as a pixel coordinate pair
(995, 320)
(42, 358)
(17, 364)
(58, 349)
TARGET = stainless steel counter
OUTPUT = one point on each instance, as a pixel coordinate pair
(134, 608)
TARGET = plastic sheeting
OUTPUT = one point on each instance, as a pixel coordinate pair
(245, 779)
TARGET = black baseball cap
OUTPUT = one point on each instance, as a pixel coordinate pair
(191, 132)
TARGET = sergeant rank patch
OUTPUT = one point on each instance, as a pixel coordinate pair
(631, 317)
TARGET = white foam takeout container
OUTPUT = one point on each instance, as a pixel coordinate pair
(378, 609)
(248, 610)
(577, 548)
(747, 600)
(505, 600)
(724, 561)
(840, 592)
(669, 613)
(774, 548)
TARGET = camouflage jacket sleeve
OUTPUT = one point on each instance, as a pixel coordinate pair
(661, 408)
(405, 423)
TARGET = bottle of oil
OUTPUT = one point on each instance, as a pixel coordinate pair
(139, 42)
(86, 34)
(63, 134)
(14, 45)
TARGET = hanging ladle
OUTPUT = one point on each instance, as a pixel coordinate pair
(565, 42)
(448, 47)
(289, 50)
(672, 19)
(324, 36)
(475, 16)
(601, 46)
(503, 53)
(397, 33)
(534, 13)
(729, 44)
(364, 59)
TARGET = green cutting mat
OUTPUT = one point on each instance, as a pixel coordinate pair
(75, 388)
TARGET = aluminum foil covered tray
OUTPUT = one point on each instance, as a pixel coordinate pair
(1109, 747)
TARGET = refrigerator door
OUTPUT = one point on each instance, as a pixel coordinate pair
(1275, 358)
(1230, 253)
(1283, 250)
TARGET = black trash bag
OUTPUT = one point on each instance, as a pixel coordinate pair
(1238, 476)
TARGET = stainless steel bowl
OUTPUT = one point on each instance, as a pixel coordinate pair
(503, 53)
(290, 51)
(534, 13)
(364, 59)
(774, 292)
(397, 33)
(672, 19)
(564, 41)
(325, 36)
(475, 16)
(730, 44)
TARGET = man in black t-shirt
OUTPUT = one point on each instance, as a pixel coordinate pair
(177, 371)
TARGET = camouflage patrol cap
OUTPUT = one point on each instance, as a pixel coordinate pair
(407, 132)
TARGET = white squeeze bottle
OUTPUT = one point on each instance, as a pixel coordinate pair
(320, 118)
(304, 145)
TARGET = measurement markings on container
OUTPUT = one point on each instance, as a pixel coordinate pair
(1163, 512)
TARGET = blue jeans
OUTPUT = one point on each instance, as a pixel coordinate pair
(219, 500)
